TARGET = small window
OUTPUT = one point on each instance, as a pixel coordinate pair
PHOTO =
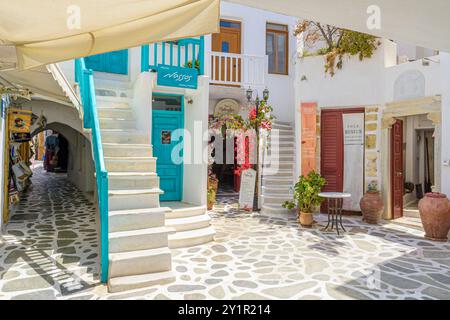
(277, 48)
(230, 24)
(167, 102)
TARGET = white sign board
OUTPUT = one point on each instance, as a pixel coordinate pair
(353, 159)
(247, 192)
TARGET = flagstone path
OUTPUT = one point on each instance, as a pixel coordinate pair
(252, 258)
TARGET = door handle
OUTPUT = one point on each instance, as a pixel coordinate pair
(399, 174)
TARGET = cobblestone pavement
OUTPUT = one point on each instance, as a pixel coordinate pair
(253, 257)
(50, 247)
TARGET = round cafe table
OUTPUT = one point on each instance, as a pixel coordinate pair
(335, 203)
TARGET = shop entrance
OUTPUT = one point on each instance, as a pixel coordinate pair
(412, 163)
(342, 154)
(167, 136)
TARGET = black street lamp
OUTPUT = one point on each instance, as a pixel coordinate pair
(257, 102)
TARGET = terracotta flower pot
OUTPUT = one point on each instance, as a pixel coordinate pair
(306, 219)
(434, 211)
(372, 207)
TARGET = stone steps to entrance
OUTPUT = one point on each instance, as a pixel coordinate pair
(126, 283)
(134, 199)
(126, 220)
(139, 262)
(115, 113)
(121, 136)
(115, 123)
(127, 150)
(278, 170)
(140, 239)
(133, 180)
(189, 223)
(192, 224)
(139, 253)
(191, 238)
(130, 164)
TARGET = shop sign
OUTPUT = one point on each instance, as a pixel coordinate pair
(19, 121)
(247, 191)
(178, 77)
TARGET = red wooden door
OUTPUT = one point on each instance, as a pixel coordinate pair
(397, 183)
(332, 151)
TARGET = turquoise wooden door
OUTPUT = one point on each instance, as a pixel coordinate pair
(111, 62)
(167, 139)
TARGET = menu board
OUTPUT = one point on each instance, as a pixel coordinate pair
(247, 192)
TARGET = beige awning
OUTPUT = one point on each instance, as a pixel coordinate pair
(48, 31)
(418, 22)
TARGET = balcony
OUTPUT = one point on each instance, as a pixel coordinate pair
(238, 70)
(185, 53)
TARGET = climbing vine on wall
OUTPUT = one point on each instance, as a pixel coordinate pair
(336, 43)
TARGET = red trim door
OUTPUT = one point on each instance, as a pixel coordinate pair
(397, 183)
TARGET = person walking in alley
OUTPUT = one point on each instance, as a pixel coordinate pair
(51, 146)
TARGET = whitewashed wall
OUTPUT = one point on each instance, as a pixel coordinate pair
(253, 41)
(445, 74)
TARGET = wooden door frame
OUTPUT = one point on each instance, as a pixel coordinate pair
(230, 30)
(391, 170)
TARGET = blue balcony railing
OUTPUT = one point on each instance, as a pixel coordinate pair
(184, 53)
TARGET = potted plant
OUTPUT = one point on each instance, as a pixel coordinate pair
(371, 204)
(306, 197)
(434, 211)
(211, 197)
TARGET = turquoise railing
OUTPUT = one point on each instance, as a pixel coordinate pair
(174, 53)
(85, 79)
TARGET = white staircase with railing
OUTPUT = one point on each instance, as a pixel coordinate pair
(278, 179)
(139, 254)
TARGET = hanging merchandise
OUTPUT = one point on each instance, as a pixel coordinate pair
(19, 124)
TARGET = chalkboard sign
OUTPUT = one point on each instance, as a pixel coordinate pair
(247, 192)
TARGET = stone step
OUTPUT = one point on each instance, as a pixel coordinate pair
(111, 123)
(411, 213)
(115, 113)
(124, 136)
(282, 123)
(141, 239)
(130, 164)
(290, 143)
(113, 92)
(282, 131)
(133, 180)
(139, 262)
(282, 127)
(105, 100)
(126, 283)
(110, 104)
(274, 180)
(276, 211)
(189, 223)
(286, 165)
(185, 212)
(278, 173)
(275, 199)
(191, 238)
(274, 189)
(127, 150)
(134, 199)
(280, 158)
(125, 220)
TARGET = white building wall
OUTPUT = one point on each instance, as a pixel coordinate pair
(253, 42)
(445, 74)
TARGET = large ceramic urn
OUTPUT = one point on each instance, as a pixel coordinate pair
(434, 211)
(372, 207)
